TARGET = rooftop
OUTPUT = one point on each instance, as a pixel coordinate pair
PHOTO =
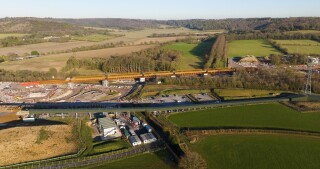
(106, 122)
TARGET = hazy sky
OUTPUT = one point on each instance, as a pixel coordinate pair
(159, 9)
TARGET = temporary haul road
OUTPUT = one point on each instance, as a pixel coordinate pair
(125, 76)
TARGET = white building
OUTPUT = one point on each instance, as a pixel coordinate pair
(107, 126)
(148, 138)
(134, 140)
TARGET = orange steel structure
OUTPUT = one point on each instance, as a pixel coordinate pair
(126, 76)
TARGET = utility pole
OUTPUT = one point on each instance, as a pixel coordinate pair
(311, 62)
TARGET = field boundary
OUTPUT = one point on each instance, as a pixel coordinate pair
(77, 161)
(247, 130)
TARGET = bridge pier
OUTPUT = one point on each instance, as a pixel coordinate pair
(70, 85)
(105, 83)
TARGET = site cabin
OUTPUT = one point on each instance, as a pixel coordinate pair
(132, 132)
(148, 128)
(134, 140)
(148, 138)
(134, 118)
(107, 126)
(125, 132)
(29, 119)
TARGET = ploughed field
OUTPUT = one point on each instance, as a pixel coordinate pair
(260, 151)
(273, 115)
(239, 48)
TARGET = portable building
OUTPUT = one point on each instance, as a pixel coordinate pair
(148, 138)
(148, 128)
(134, 140)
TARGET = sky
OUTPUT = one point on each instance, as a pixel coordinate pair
(159, 9)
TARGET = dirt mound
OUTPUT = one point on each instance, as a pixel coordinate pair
(249, 59)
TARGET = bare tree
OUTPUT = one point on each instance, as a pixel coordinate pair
(192, 160)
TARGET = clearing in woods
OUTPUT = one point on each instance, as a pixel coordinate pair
(260, 151)
(239, 48)
(300, 46)
(192, 54)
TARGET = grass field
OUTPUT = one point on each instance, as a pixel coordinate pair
(301, 46)
(5, 35)
(188, 60)
(260, 152)
(58, 61)
(153, 90)
(129, 37)
(28, 143)
(273, 115)
(192, 54)
(94, 37)
(244, 93)
(250, 47)
(104, 147)
(304, 32)
(144, 161)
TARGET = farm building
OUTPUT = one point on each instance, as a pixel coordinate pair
(134, 140)
(148, 138)
(107, 126)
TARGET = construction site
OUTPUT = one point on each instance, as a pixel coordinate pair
(109, 88)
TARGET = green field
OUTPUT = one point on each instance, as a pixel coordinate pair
(260, 152)
(244, 93)
(239, 48)
(193, 54)
(2, 36)
(304, 32)
(144, 161)
(153, 90)
(300, 46)
(94, 37)
(104, 147)
(273, 115)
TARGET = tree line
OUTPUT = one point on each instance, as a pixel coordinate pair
(262, 79)
(156, 59)
(218, 54)
(277, 36)
(251, 24)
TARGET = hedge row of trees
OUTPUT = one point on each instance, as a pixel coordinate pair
(155, 59)
(277, 46)
(265, 79)
(251, 24)
(278, 36)
(218, 54)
